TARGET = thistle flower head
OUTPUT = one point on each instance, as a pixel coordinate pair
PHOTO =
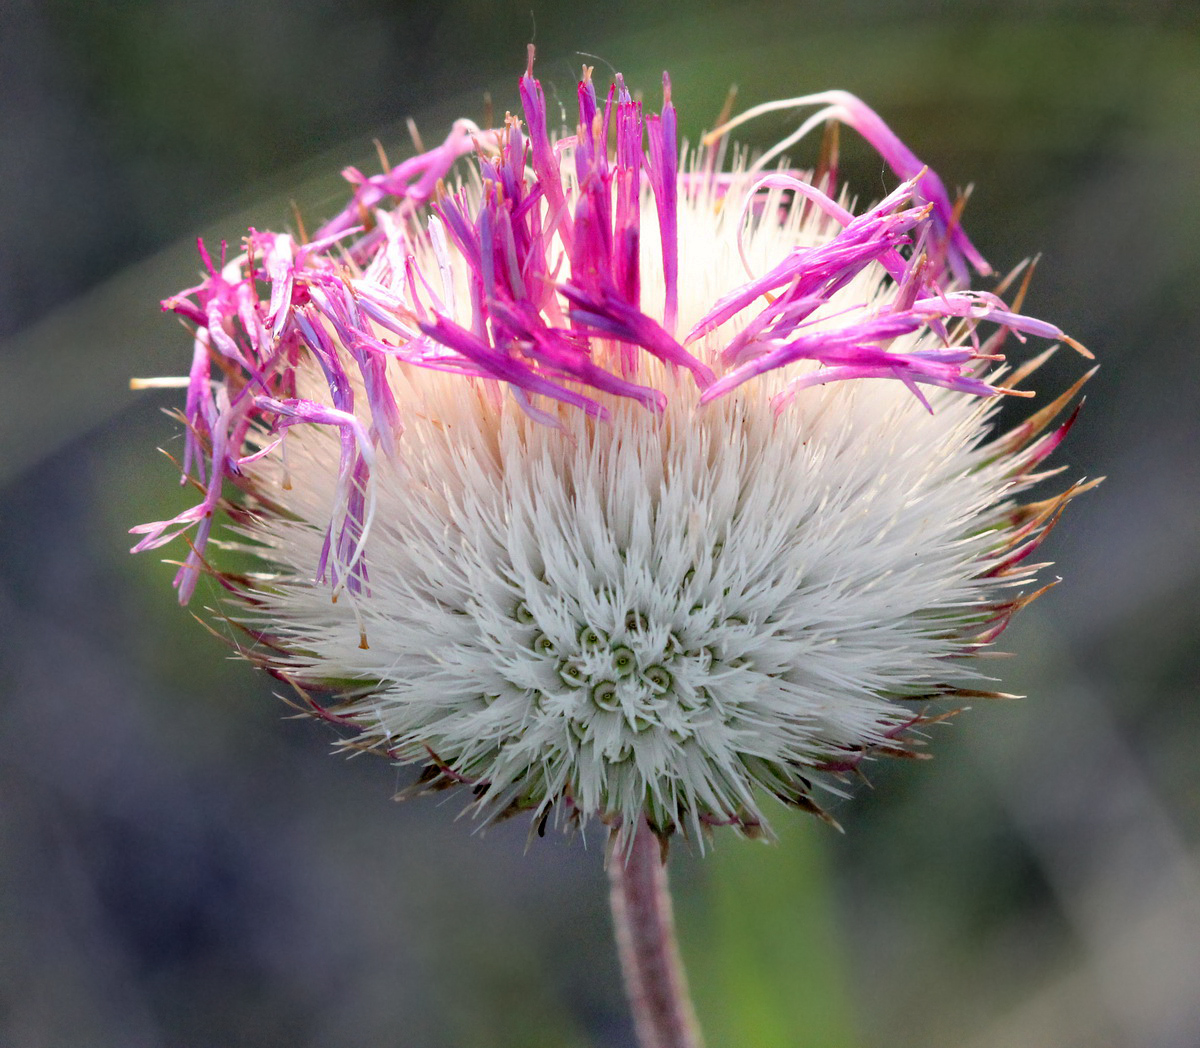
(599, 476)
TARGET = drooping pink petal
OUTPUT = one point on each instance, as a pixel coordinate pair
(847, 108)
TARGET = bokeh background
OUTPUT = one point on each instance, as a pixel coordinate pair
(182, 865)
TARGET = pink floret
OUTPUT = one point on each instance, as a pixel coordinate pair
(554, 307)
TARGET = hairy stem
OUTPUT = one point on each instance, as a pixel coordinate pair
(654, 978)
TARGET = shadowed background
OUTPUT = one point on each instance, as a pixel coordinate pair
(182, 866)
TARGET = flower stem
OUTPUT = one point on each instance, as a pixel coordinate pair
(654, 978)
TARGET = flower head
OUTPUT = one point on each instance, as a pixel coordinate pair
(608, 479)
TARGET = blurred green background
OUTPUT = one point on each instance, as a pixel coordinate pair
(181, 865)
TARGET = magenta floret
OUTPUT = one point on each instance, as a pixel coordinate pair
(546, 246)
